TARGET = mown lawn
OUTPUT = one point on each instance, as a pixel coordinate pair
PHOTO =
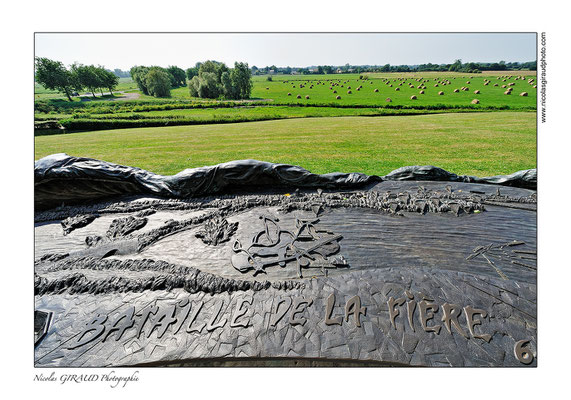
(480, 144)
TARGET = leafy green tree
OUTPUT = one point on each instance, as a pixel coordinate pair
(109, 80)
(87, 76)
(191, 73)
(241, 77)
(158, 82)
(54, 76)
(178, 76)
(227, 87)
(208, 85)
(138, 73)
(215, 79)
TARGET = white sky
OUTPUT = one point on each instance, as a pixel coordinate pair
(124, 50)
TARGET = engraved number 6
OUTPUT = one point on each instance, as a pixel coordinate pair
(523, 355)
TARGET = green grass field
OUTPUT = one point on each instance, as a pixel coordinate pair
(481, 144)
(321, 90)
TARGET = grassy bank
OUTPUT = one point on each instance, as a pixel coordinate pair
(478, 144)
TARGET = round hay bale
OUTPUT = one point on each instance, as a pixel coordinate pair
(467, 82)
(440, 93)
(376, 90)
(476, 92)
(436, 85)
(388, 100)
(289, 94)
(421, 92)
(523, 94)
(495, 84)
(307, 97)
(413, 97)
(397, 89)
(335, 91)
(456, 91)
(267, 88)
(348, 87)
(338, 97)
(508, 92)
(298, 96)
(349, 92)
(535, 86)
(475, 101)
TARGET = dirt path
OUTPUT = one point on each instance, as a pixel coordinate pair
(123, 96)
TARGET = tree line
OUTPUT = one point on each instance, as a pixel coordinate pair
(457, 66)
(53, 75)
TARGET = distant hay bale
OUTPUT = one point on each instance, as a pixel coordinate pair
(298, 96)
(376, 90)
(421, 92)
(436, 85)
(289, 94)
(524, 94)
(467, 82)
(495, 84)
(335, 91)
(348, 87)
(476, 92)
(267, 88)
(338, 97)
(349, 92)
(397, 89)
(535, 86)
(307, 97)
(388, 100)
(413, 97)
(456, 91)
(508, 92)
(475, 101)
(440, 93)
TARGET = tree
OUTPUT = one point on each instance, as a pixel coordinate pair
(109, 80)
(456, 66)
(241, 80)
(54, 76)
(158, 82)
(178, 76)
(87, 77)
(191, 73)
(138, 73)
(208, 85)
(215, 79)
(227, 87)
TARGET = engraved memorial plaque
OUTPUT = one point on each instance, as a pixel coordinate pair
(248, 260)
